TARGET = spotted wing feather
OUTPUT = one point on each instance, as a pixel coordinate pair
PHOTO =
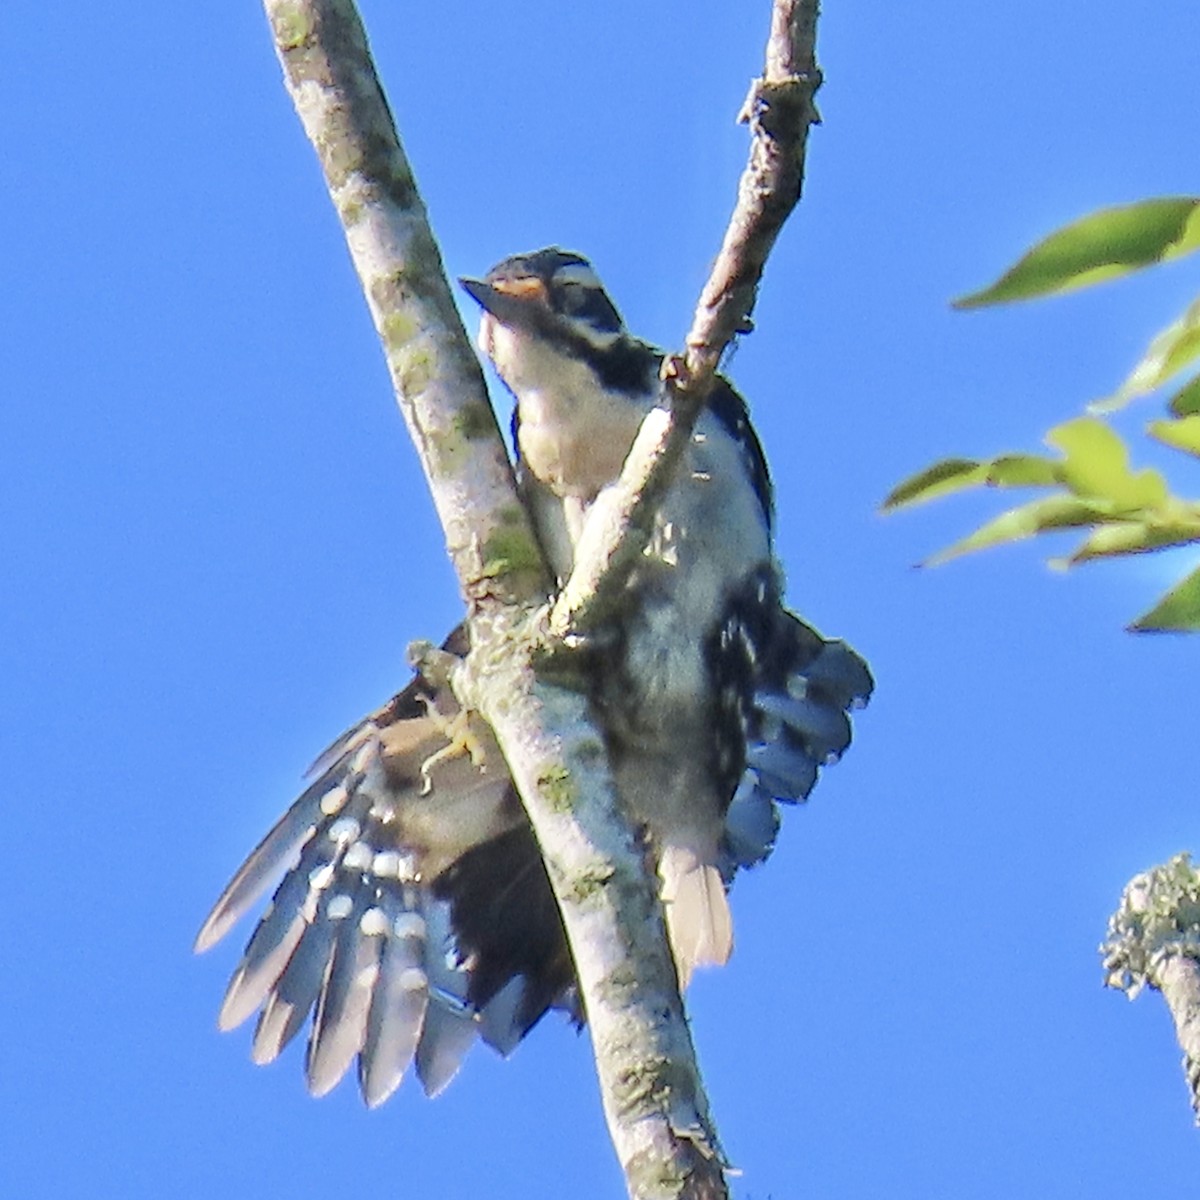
(396, 963)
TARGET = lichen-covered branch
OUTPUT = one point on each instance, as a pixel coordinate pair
(653, 1096)
(780, 111)
(1154, 941)
(439, 385)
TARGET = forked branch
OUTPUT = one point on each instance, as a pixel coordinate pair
(653, 1096)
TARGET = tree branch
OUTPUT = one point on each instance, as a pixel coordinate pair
(437, 379)
(650, 1084)
(653, 1096)
(780, 111)
(1154, 941)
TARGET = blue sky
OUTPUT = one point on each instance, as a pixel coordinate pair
(217, 547)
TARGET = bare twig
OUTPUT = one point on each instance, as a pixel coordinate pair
(779, 110)
(1154, 941)
(653, 1096)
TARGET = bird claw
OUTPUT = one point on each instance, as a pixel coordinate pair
(460, 740)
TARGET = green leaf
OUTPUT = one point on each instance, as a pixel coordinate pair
(1183, 434)
(1096, 467)
(1177, 612)
(949, 475)
(958, 474)
(1051, 512)
(1114, 541)
(1171, 350)
(1186, 401)
(1100, 246)
(1022, 470)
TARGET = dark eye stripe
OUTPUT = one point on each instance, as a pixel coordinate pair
(588, 304)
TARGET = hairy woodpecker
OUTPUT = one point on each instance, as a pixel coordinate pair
(414, 912)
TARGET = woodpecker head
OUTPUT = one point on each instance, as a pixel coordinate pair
(547, 317)
(549, 301)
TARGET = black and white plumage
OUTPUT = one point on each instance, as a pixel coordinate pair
(414, 911)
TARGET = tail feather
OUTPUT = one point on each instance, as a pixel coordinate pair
(696, 910)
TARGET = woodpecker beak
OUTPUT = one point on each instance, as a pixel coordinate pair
(479, 291)
(510, 303)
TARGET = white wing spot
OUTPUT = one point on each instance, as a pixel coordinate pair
(320, 877)
(413, 979)
(333, 800)
(345, 829)
(359, 857)
(373, 922)
(389, 864)
(409, 925)
(340, 907)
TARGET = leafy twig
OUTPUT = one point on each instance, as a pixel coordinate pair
(1126, 512)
